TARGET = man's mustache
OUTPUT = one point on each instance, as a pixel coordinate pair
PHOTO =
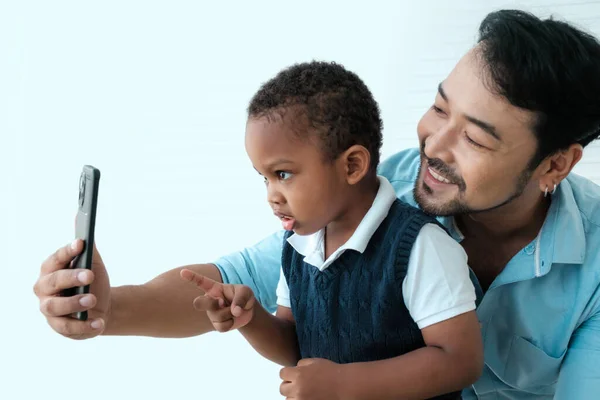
(443, 169)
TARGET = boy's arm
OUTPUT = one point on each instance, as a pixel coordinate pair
(274, 337)
(440, 297)
(231, 306)
(451, 360)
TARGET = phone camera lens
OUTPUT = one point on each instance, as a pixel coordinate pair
(81, 189)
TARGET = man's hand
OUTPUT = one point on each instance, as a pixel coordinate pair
(55, 277)
(313, 379)
(227, 306)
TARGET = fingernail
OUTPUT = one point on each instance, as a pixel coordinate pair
(97, 324)
(86, 301)
(74, 244)
(83, 277)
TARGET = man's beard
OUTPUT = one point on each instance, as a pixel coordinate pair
(456, 206)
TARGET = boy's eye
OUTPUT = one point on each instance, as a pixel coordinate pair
(283, 175)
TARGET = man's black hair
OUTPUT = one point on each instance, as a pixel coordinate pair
(549, 67)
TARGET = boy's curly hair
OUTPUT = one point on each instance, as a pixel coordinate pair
(334, 101)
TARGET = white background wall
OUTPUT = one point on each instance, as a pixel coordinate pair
(154, 95)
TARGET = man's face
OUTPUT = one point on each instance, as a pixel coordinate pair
(475, 146)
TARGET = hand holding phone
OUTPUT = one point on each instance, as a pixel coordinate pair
(85, 224)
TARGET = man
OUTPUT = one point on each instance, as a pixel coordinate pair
(498, 146)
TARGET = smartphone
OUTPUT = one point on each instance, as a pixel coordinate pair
(85, 223)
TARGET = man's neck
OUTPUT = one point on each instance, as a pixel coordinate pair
(339, 231)
(521, 219)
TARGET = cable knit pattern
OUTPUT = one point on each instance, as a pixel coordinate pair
(354, 311)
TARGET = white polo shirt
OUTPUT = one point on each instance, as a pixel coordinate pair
(437, 286)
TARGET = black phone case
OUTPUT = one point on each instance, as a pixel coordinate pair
(85, 224)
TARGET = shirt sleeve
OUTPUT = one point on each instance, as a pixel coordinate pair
(579, 376)
(283, 292)
(437, 285)
(257, 267)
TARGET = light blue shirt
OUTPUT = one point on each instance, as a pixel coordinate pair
(540, 318)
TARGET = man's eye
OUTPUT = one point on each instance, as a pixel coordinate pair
(437, 109)
(473, 143)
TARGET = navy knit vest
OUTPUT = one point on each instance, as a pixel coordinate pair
(354, 311)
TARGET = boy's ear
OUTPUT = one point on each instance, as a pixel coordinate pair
(357, 161)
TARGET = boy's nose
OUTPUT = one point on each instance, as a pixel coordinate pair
(274, 196)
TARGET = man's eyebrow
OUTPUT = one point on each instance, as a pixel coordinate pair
(442, 93)
(485, 126)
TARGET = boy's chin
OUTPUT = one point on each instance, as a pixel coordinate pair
(302, 231)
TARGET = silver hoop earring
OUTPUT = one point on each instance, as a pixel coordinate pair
(546, 192)
(553, 190)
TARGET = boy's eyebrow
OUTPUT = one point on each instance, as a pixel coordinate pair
(485, 126)
(277, 162)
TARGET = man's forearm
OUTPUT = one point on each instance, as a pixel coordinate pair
(420, 374)
(273, 337)
(162, 307)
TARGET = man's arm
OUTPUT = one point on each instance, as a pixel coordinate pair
(159, 308)
(274, 337)
(163, 307)
(451, 361)
(579, 377)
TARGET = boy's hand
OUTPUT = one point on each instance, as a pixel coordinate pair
(313, 379)
(228, 307)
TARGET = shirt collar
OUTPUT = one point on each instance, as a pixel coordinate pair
(562, 237)
(312, 246)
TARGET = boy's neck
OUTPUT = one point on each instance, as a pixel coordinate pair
(343, 227)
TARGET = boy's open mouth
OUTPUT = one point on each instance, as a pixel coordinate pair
(287, 221)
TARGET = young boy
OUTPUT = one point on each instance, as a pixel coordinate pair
(375, 300)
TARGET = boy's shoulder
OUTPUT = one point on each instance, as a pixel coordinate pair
(402, 212)
(403, 224)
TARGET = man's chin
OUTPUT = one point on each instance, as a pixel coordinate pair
(430, 205)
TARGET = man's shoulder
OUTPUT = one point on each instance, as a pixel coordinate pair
(586, 194)
(403, 165)
(401, 170)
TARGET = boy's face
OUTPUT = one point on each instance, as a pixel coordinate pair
(304, 190)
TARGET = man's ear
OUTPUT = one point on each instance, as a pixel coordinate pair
(556, 167)
(356, 163)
